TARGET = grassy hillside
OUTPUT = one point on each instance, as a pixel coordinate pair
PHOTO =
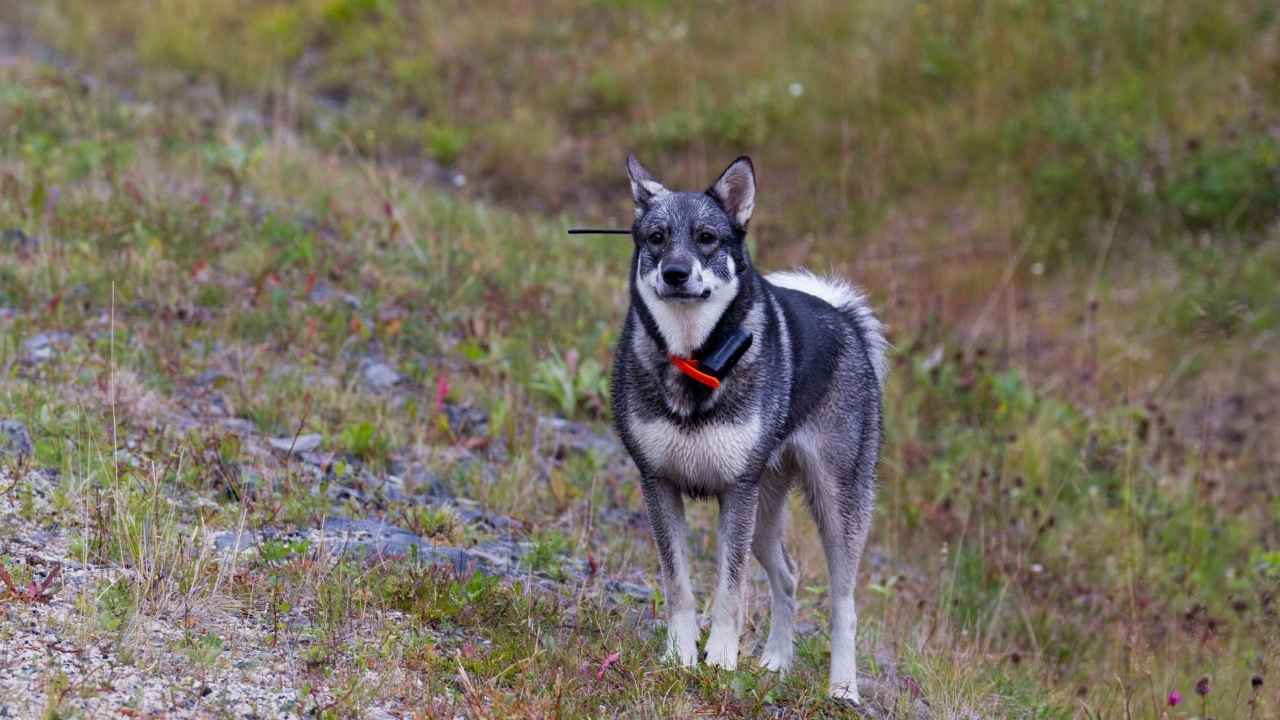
(343, 219)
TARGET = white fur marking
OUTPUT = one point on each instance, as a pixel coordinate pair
(737, 189)
(682, 638)
(710, 456)
(779, 655)
(844, 665)
(844, 296)
(686, 325)
(722, 647)
(654, 187)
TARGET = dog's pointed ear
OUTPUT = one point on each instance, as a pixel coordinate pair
(736, 190)
(643, 187)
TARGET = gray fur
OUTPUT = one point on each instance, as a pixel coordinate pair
(802, 408)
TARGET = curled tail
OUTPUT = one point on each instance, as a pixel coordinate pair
(850, 299)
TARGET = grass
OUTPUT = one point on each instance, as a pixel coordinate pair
(1060, 114)
(1077, 258)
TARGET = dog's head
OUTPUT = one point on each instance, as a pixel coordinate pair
(690, 245)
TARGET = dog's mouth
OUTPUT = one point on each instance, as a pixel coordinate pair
(683, 296)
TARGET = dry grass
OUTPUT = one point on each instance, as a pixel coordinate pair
(1078, 510)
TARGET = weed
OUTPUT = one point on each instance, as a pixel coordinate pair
(1234, 186)
(363, 440)
(444, 143)
(546, 555)
(572, 384)
(202, 650)
(274, 551)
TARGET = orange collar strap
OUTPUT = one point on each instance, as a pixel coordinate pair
(690, 367)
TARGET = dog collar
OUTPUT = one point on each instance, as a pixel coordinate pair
(718, 363)
(690, 368)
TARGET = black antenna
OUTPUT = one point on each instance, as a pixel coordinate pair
(598, 231)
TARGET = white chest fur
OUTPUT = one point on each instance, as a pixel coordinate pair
(708, 457)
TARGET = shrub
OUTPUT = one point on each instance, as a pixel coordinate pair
(1235, 186)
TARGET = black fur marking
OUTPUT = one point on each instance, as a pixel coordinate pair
(816, 346)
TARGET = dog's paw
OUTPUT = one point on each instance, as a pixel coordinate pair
(846, 692)
(683, 654)
(682, 640)
(722, 649)
(775, 660)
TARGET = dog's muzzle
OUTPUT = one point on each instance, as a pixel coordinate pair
(679, 282)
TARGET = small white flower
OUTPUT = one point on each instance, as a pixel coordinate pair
(459, 180)
(796, 89)
(1037, 268)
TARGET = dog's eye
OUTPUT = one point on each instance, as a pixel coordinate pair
(656, 237)
(706, 238)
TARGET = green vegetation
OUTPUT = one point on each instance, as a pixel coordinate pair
(1068, 213)
(1061, 115)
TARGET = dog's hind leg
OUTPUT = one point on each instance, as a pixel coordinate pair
(841, 497)
(843, 545)
(737, 520)
(666, 517)
(770, 549)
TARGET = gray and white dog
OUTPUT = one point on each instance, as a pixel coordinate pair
(801, 406)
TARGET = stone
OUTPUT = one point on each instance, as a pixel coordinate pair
(15, 440)
(467, 420)
(631, 590)
(371, 539)
(302, 444)
(211, 378)
(559, 437)
(321, 293)
(417, 480)
(42, 347)
(379, 375)
(239, 426)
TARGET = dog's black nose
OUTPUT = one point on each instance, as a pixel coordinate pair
(676, 272)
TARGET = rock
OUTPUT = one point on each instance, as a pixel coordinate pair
(415, 482)
(211, 378)
(370, 539)
(14, 439)
(496, 556)
(379, 375)
(302, 444)
(239, 426)
(629, 589)
(343, 493)
(227, 542)
(471, 513)
(42, 347)
(321, 293)
(467, 420)
(558, 437)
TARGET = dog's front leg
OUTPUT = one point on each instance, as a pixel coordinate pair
(666, 517)
(737, 523)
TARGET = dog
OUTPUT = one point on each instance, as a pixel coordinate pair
(733, 385)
